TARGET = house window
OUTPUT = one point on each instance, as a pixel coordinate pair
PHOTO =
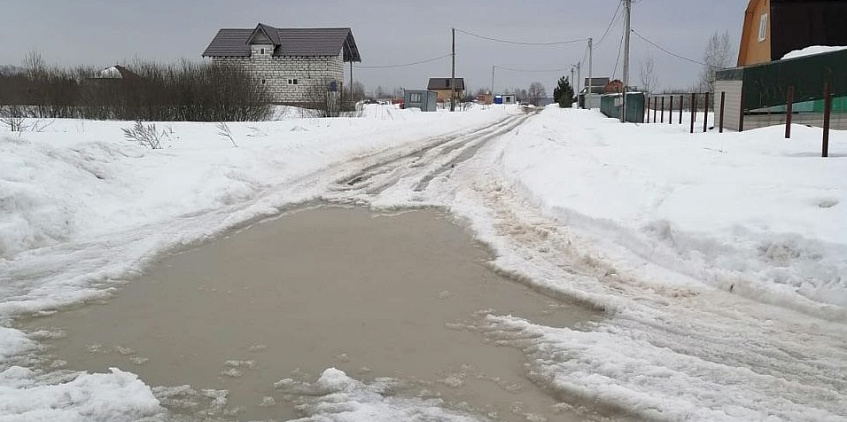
(263, 81)
(292, 81)
(261, 51)
(763, 27)
(415, 98)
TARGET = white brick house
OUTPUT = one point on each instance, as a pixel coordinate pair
(291, 62)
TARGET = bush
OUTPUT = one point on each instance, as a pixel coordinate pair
(154, 92)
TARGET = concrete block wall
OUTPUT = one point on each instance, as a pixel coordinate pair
(279, 73)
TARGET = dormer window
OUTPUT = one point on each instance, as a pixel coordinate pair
(261, 51)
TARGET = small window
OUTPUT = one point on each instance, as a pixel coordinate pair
(261, 51)
(263, 81)
(763, 27)
(292, 81)
(415, 98)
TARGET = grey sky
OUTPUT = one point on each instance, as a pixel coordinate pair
(105, 32)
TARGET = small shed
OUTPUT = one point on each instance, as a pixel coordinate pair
(422, 99)
(505, 99)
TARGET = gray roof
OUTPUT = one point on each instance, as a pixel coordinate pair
(287, 42)
(444, 83)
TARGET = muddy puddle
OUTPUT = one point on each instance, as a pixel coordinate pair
(372, 295)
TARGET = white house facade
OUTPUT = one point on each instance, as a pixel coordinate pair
(293, 63)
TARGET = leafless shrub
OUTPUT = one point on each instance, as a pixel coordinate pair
(13, 117)
(145, 135)
(224, 132)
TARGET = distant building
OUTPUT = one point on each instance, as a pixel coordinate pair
(598, 85)
(773, 28)
(613, 87)
(442, 87)
(290, 62)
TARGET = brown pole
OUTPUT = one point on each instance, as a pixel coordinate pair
(706, 113)
(741, 112)
(663, 110)
(655, 106)
(693, 110)
(827, 111)
(670, 111)
(723, 103)
(681, 106)
(647, 109)
(789, 110)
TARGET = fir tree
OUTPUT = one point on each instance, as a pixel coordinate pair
(563, 93)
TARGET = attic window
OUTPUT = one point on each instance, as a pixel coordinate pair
(763, 27)
(261, 51)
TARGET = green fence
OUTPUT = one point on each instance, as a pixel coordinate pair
(766, 85)
(611, 105)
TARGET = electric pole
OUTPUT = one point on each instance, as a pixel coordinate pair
(453, 76)
(492, 83)
(578, 82)
(572, 85)
(590, 78)
(626, 58)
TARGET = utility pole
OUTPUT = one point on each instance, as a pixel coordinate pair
(453, 76)
(626, 58)
(352, 97)
(492, 83)
(578, 82)
(572, 85)
(590, 76)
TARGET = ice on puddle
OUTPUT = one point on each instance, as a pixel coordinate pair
(337, 397)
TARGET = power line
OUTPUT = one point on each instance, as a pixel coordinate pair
(405, 65)
(531, 70)
(618, 57)
(609, 28)
(521, 42)
(666, 51)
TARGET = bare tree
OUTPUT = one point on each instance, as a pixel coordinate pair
(649, 80)
(718, 55)
(536, 93)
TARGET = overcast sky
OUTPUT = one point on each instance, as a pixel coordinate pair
(387, 32)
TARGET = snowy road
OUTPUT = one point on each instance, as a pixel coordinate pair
(715, 311)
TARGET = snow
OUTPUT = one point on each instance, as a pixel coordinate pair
(719, 259)
(812, 50)
(337, 397)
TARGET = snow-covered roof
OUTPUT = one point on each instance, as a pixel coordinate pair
(812, 50)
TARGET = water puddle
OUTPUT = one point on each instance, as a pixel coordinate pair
(284, 300)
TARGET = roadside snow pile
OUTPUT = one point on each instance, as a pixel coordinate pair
(89, 397)
(749, 212)
(812, 50)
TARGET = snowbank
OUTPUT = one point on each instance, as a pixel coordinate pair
(747, 209)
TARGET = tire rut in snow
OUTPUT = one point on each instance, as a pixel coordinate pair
(377, 177)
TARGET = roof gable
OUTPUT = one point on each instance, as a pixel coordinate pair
(263, 32)
(287, 42)
(444, 83)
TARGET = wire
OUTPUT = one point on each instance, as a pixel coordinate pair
(609, 28)
(618, 59)
(405, 65)
(521, 42)
(532, 70)
(666, 51)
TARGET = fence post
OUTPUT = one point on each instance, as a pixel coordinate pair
(681, 106)
(647, 107)
(670, 112)
(706, 113)
(655, 108)
(827, 111)
(723, 103)
(693, 110)
(789, 109)
(741, 112)
(663, 110)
